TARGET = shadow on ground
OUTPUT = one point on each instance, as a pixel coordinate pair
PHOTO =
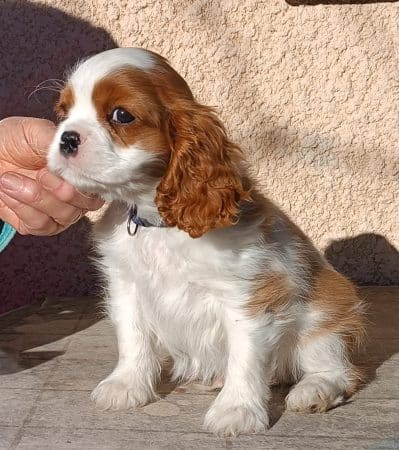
(35, 334)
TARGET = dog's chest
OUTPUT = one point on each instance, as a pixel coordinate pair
(173, 275)
(180, 295)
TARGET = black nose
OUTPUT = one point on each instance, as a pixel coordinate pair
(69, 143)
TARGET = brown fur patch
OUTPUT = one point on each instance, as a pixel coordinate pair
(272, 295)
(133, 91)
(357, 380)
(337, 297)
(149, 96)
(65, 102)
(275, 292)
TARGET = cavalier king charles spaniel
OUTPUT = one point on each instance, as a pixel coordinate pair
(200, 267)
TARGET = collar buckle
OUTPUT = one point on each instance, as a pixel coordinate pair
(134, 218)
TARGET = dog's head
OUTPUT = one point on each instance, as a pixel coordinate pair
(129, 125)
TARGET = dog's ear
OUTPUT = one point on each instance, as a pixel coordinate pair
(202, 187)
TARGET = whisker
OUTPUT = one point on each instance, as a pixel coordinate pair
(52, 85)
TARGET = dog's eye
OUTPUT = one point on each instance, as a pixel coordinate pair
(120, 115)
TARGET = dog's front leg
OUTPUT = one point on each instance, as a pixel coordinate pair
(132, 383)
(241, 405)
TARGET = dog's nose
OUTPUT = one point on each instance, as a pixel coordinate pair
(69, 143)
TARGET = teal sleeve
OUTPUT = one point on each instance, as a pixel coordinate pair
(6, 234)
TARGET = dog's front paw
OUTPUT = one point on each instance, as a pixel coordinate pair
(233, 419)
(115, 393)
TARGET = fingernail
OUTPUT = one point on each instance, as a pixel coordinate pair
(50, 181)
(11, 182)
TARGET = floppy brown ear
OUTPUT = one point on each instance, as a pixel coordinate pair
(202, 188)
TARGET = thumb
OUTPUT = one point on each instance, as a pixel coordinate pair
(25, 141)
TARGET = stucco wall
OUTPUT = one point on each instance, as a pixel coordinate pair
(311, 92)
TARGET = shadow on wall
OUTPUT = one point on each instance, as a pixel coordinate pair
(40, 43)
(365, 257)
(336, 2)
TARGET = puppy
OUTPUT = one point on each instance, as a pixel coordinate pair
(199, 265)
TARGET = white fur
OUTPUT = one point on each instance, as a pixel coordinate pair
(86, 73)
(325, 375)
(186, 298)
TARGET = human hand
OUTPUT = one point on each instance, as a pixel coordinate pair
(33, 200)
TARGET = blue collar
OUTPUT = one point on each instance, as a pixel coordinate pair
(133, 217)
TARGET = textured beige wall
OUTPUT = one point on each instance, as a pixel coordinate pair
(311, 92)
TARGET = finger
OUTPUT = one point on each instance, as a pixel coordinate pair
(29, 220)
(67, 193)
(39, 135)
(31, 193)
(25, 141)
(9, 216)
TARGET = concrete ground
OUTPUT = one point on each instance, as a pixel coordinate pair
(52, 355)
